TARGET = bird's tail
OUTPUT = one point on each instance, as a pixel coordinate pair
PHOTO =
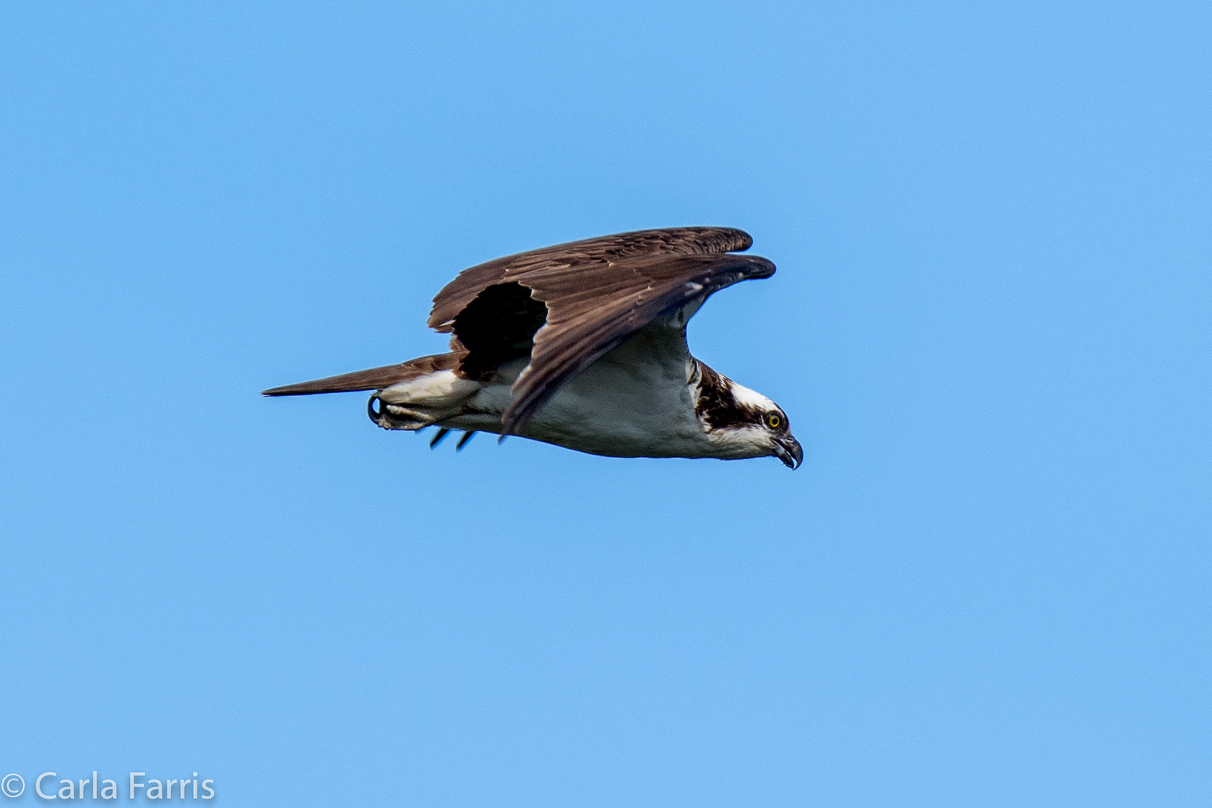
(372, 379)
(411, 395)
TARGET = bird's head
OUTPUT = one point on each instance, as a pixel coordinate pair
(744, 423)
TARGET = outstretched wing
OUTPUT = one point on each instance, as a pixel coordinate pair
(591, 296)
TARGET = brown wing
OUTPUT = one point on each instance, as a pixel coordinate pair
(586, 320)
(595, 294)
(673, 241)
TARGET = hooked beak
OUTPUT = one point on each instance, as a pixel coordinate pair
(788, 450)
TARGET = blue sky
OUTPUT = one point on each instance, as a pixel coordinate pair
(989, 584)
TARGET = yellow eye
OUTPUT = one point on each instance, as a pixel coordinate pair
(774, 421)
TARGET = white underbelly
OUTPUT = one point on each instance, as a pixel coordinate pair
(608, 410)
(623, 405)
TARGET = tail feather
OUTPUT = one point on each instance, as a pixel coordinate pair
(373, 379)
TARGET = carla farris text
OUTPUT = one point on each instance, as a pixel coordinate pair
(49, 786)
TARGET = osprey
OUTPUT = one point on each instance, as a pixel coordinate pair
(584, 345)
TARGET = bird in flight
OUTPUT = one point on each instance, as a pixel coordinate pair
(583, 345)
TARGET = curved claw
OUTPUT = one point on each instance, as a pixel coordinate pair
(442, 433)
(463, 440)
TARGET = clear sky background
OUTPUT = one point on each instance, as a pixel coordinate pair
(990, 583)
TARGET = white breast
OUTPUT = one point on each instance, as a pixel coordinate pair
(622, 411)
(636, 401)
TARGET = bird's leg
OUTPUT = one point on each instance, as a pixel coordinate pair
(396, 416)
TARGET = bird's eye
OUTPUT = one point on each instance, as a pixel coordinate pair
(773, 420)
